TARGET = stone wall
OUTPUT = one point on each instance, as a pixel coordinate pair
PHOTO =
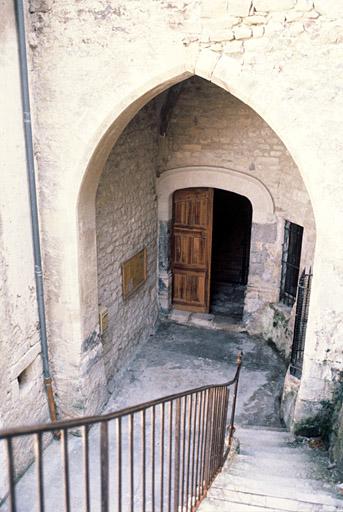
(234, 26)
(210, 127)
(126, 219)
(22, 395)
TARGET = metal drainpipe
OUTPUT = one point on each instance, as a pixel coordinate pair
(19, 10)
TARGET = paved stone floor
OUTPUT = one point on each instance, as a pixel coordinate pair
(180, 357)
(176, 358)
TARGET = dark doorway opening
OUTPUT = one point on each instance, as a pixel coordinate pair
(232, 215)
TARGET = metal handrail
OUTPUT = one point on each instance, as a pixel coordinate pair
(182, 446)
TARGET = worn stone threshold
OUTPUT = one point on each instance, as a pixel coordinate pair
(206, 320)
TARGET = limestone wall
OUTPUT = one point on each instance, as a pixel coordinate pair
(235, 26)
(22, 395)
(126, 222)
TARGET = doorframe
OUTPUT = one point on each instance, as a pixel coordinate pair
(231, 180)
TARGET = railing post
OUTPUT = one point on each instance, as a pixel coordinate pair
(104, 465)
(177, 454)
(208, 444)
(233, 411)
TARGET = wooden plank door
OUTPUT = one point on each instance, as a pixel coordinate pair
(191, 248)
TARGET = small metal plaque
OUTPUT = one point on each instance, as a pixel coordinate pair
(134, 273)
(103, 320)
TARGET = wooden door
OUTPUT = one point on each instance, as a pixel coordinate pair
(191, 248)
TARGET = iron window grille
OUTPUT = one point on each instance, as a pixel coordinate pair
(291, 254)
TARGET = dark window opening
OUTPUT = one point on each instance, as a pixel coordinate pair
(232, 215)
(291, 254)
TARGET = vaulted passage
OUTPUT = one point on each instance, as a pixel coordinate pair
(202, 186)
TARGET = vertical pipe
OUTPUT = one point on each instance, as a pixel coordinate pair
(19, 9)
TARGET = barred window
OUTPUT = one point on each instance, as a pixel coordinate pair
(291, 254)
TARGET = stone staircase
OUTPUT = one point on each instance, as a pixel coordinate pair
(273, 473)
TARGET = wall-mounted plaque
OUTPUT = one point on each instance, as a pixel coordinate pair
(134, 273)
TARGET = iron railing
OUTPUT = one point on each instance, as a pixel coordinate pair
(158, 456)
(300, 325)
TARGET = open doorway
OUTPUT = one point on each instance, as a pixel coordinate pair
(231, 234)
(210, 250)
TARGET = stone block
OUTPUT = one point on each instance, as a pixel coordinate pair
(256, 19)
(232, 21)
(266, 233)
(239, 7)
(206, 63)
(332, 8)
(233, 47)
(332, 34)
(216, 46)
(273, 5)
(202, 319)
(296, 28)
(180, 316)
(294, 15)
(304, 5)
(242, 32)
(274, 26)
(222, 35)
(258, 31)
(214, 8)
(312, 15)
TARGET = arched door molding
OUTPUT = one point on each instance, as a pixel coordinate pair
(214, 177)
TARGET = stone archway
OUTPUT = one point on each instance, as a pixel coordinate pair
(87, 243)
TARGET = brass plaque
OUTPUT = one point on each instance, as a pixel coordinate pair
(134, 273)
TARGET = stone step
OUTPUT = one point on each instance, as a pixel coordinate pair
(213, 505)
(297, 488)
(219, 505)
(272, 473)
(306, 503)
(268, 464)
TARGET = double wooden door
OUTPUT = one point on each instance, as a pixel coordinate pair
(191, 248)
